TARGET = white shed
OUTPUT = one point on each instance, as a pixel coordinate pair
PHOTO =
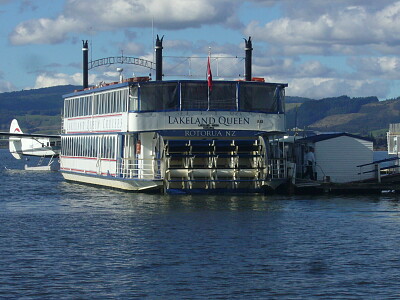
(339, 156)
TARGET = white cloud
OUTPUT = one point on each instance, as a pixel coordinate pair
(47, 79)
(281, 67)
(132, 47)
(312, 9)
(350, 26)
(6, 86)
(364, 31)
(44, 31)
(383, 67)
(318, 88)
(294, 47)
(315, 80)
(288, 69)
(54, 79)
(84, 15)
(314, 69)
(181, 45)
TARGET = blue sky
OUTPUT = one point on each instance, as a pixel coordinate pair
(320, 48)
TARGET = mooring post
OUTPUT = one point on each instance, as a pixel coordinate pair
(378, 172)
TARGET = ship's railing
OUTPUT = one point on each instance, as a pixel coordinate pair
(140, 169)
(278, 168)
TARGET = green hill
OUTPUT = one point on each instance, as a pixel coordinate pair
(310, 112)
(39, 111)
(363, 116)
(293, 102)
(298, 100)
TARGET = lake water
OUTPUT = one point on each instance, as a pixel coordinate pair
(61, 240)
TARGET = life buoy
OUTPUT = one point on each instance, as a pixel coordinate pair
(138, 147)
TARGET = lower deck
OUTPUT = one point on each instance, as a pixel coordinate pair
(113, 182)
(150, 160)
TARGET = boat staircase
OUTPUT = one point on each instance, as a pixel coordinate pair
(215, 164)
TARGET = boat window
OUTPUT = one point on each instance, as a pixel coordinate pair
(96, 147)
(133, 99)
(112, 102)
(169, 96)
(223, 96)
(194, 96)
(159, 96)
(66, 109)
(78, 106)
(97, 104)
(125, 101)
(280, 96)
(88, 105)
(254, 97)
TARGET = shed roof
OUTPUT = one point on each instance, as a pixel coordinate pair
(327, 136)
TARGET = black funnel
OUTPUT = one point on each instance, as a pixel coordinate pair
(247, 63)
(159, 48)
(85, 50)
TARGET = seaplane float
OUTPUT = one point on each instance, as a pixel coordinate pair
(45, 146)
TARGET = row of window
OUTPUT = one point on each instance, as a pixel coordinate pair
(173, 96)
(79, 106)
(102, 103)
(89, 146)
(232, 96)
(111, 102)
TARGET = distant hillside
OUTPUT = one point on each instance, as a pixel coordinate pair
(38, 110)
(363, 116)
(292, 99)
(309, 113)
(369, 117)
(293, 102)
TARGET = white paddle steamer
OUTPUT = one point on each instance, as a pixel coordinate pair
(177, 135)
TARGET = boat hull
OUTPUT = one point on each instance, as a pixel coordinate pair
(52, 167)
(112, 182)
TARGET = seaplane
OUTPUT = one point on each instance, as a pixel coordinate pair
(40, 145)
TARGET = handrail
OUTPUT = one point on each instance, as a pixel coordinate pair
(379, 161)
(278, 168)
(140, 168)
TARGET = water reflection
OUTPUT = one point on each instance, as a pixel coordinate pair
(59, 238)
(81, 197)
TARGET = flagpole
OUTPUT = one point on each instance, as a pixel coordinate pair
(209, 78)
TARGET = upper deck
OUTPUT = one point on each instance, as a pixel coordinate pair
(178, 104)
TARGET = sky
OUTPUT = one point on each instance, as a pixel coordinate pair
(319, 48)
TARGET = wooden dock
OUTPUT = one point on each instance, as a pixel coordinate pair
(389, 182)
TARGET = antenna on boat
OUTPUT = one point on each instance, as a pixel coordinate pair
(121, 77)
(152, 34)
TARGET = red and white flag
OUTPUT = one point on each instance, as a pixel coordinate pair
(209, 75)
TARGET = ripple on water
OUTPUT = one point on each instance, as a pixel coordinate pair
(63, 240)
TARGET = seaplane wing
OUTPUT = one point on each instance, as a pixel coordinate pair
(21, 144)
(28, 135)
